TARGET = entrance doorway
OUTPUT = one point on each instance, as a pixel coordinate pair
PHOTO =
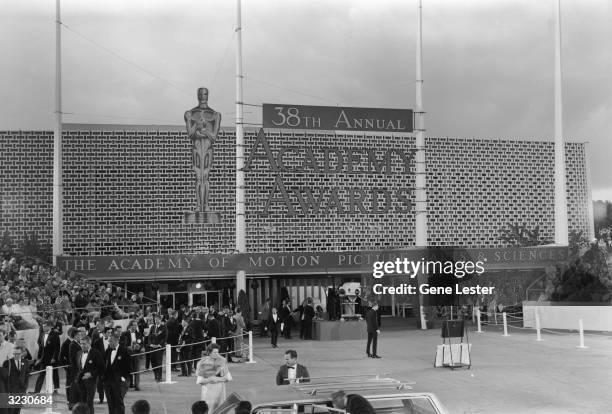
(173, 300)
(205, 298)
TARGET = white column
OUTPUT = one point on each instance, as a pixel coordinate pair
(240, 198)
(561, 237)
(58, 186)
(420, 192)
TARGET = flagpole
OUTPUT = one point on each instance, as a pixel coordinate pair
(58, 225)
(420, 176)
(561, 236)
(240, 199)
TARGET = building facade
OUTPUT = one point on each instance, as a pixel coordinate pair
(127, 188)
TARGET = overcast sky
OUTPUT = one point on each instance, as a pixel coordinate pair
(488, 65)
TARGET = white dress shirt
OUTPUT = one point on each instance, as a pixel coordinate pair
(83, 359)
(291, 373)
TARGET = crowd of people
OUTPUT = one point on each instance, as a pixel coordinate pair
(104, 338)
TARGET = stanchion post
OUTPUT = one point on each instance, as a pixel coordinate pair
(423, 320)
(478, 320)
(537, 319)
(169, 365)
(495, 315)
(251, 360)
(49, 387)
(505, 324)
(213, 340)
(473, 315)
(581, 328)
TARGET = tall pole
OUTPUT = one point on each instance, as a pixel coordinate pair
(240, 210)
(561, 237)
(420, 191)
(58, 222)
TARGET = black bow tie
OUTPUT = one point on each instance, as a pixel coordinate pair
(113, 349)
(290, 367)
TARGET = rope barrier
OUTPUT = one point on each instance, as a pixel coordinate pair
(148, 352)
(209, 340)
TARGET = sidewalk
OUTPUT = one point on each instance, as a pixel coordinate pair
(513, 374)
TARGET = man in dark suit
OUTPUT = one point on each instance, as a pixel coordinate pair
(74, 349)
(373, 325)
(227, 330)
(351, 403)
(274, 323)
(48, 354)
(133, 341)
(185, 341)
(89, 365)
(101, 344)
(292, 372)
(116, 375)
(174, 329)
(307, 317)
(286, 319)
(158, 336)
(17, 375)
(65, 360)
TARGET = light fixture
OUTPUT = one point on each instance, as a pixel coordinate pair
(198, 285)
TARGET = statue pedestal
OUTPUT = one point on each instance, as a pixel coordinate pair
(199, 217)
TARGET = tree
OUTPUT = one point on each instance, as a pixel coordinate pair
(32, 249)
(243, 304)
(7, 246)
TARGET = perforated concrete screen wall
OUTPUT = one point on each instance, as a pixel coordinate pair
(126, 189)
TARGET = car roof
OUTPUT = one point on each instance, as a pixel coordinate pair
(319, 390)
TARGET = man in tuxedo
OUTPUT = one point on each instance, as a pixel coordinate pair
(17, 375)
(274, 324)
(157, 342)
(292, 372)
(174, 329)
(286, 319)
(185, 341)
(89, 365)
(48, 354)
(373, 325)
(101, 344)
(133, 341)
(65, 360)
(351, 403)
(116, 375)
(227, 330)
(74, 350)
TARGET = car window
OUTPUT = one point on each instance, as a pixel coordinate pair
(275, 411)
(413, 405)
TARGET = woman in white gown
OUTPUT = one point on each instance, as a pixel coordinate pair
(213, 373)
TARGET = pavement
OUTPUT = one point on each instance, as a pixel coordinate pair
(509, 374)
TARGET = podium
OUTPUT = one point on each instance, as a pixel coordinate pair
(453, 352)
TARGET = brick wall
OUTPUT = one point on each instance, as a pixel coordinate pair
(126, 189)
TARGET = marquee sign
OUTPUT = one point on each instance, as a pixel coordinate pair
(337, 118)
(300, 262)
(330, 161)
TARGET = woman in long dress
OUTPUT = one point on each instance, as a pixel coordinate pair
(240, 327)
(213, 373)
